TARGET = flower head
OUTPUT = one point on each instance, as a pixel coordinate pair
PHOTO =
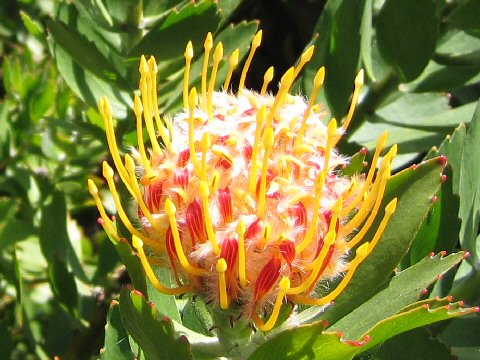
(240, 193)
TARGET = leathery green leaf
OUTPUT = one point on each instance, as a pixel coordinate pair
(404, 289)
(407, 34)
(309, 342)
(116, 337)
(155, 335)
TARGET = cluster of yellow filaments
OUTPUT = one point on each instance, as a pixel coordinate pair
(240, 193)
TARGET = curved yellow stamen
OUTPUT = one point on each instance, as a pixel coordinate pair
(316, 265)
(204, 194)
(381, 189)
(130, 166)
(304, 58)
(205, 146)
(372, 197)
(389, 211)
(232, 64)
(336, 210)
(379, 147)
(108, 175)
(147, 98)
(171, 210)
(262, 193)
(359, 80)
(138, 245)
(241, 253)
(257, 40)
(285, 84)
(164, 134)
(186, 76)
(317, 84)
(267, 79)
(138, 110)
(109, 227)
(208, 45)
(106, 112)
(192, 103)
(221, 152)
(331, 133)
(284, 286)
(361, 254)
(261, 114)
(217, 57)
(221, 268)
(307, 239)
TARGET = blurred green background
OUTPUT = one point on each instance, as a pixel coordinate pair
(58, 270)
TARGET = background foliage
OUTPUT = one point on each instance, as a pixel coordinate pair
(59, 273)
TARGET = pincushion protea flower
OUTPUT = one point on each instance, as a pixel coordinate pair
(240, 193)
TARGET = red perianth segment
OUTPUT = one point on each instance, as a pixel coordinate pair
(222, 139)
(229, 252)
(254, 230)
(325, 264)
(267, 278)
(249, 112)
(183, 158)
(247, 151)
(287, 249)
(226, 207)
(224, 164)
(271, 174)
(154, 196)
(195, 223)
(299, 213)
(181, 177)
(172, 253)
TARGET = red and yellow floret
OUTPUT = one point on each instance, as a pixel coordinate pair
(240, 192)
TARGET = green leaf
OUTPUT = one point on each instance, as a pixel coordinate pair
(356, 164)
(414, 189)
(462, 336)
(83, 52)
(85, 69)
(406, 34)
(132, 263)
(63, 284)
(116, 337)
(32, 26)
(309, 342)
(465, 17)
(167, 39)
(165, 304)
(404, 289)
(322, 32)
(343, 55)
(409, 140)
(469, 187)
(12, 230)
(441, 227)
(155, 336)
(197, 317)
(366, 39)
(445, 78)
(414, 344)
(153, 8)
